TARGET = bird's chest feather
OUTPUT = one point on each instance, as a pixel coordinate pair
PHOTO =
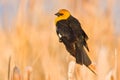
(63, 30)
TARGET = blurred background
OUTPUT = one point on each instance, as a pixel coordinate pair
(28, 36)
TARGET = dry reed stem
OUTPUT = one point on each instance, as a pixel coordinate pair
(9, 67)
(16, 75)
(27, 74)
(112, 74)
(71, 69)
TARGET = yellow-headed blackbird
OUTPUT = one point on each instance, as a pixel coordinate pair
(70, 33)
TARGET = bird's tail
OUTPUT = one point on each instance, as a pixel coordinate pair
(91, 69)
(83, 59)
(81, 56)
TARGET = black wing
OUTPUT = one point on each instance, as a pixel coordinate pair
(81, 37)
(78, 31)
(66, 36)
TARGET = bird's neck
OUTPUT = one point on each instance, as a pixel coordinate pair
(61, 18)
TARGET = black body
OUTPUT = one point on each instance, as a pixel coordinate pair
(74, 38)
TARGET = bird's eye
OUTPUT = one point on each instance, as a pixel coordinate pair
(60, 14)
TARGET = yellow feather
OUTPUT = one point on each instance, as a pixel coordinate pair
(65, 15)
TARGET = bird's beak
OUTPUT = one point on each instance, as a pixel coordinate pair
(58, 14)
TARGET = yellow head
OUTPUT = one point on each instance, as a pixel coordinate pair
(62, 14)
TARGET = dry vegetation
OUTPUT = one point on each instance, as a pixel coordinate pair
(34, 48)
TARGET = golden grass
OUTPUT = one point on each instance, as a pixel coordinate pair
(35, 50)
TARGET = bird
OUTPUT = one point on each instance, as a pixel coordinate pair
(71, 34)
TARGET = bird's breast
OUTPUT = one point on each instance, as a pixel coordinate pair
(64, 30)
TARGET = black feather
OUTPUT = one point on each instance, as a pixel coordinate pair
(74, 38)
